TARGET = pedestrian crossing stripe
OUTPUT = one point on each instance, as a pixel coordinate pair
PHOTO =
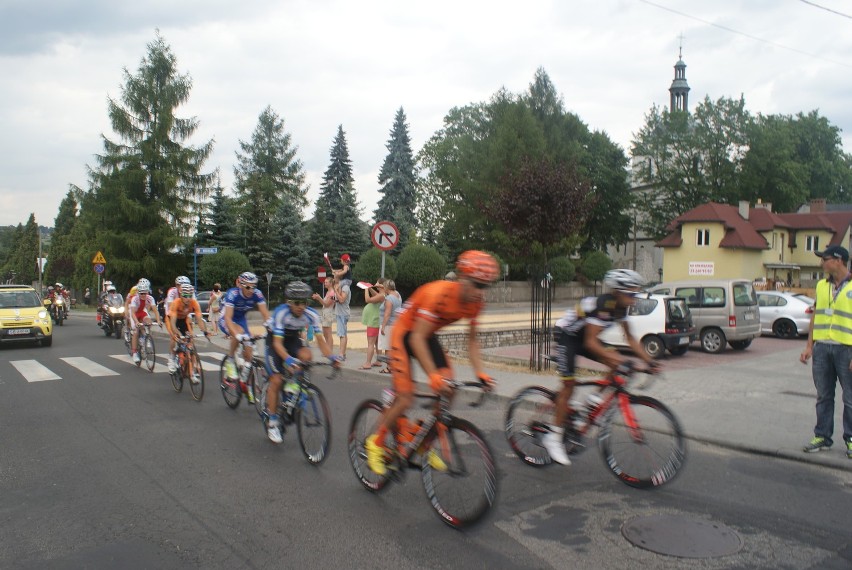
(34, 371)
(89, 367)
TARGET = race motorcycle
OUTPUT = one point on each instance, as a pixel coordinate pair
(58, 310)
(112, 316)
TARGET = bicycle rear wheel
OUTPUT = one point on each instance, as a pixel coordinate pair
(364, 423)
(313, 423)
(642, 446)
(127, 341)
(230, 387)
(527, 419)
(466, 489)
(196, 388)
(150, 353)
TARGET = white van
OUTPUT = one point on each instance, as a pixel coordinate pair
(724, 310)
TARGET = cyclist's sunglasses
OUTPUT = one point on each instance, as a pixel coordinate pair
(481, 286)
(249, 287)
(297, 302)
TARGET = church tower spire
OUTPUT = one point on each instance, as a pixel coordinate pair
(680, 88)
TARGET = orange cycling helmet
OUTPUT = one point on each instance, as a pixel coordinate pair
(478, 266)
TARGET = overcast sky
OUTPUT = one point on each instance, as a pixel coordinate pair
(323, 63)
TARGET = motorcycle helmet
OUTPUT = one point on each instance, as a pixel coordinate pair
(110, 288)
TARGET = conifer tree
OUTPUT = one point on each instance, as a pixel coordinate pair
(398, 181)
(63, 248)
(21, 265)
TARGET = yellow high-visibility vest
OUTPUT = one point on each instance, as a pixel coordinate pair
(841, 315)
(822, 318)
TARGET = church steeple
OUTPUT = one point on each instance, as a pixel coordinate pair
(680, 88)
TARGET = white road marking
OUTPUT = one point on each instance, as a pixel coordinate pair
(33, 371)
(89, 367)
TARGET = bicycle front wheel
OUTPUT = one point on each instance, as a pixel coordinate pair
(150, 353)
(258, 384)
(529, 414)
(177, 376)
(197, 388)
(230, 387)
(462, 484)
(643, 446)
(365, 422)
(313, 423)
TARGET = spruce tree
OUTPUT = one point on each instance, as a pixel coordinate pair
(21, 266)
(63, 248)
(223, 221)
(289, 246)
(267, 172)
(398, 182)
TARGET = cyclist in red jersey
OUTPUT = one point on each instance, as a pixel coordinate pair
(432, 307)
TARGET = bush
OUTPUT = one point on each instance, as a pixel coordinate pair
(419, 264)
(369, 267)
(595, 265)
(223, 267)
(562, 269)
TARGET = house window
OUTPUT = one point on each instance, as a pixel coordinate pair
(812, 243)
(703, 237)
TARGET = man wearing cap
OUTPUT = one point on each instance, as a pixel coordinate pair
(830, 344)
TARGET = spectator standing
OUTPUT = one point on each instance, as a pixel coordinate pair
(830, 344)
(388, 310)
(87, 297)
(327, 312)
(342, 311)
(371, 318)
(215, 305)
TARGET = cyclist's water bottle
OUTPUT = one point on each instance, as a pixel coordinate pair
(593, 400)
(578, 418)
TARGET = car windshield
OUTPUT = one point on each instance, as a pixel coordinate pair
(18, 299)
(677, 309)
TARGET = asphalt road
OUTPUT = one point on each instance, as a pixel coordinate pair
(119, 471)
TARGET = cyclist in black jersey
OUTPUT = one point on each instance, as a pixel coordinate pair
(577, 334)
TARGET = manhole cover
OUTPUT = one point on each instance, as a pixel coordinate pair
(680, 536)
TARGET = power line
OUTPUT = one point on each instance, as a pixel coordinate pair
(733, 31)
(815, 5)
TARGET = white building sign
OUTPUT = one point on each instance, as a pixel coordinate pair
(701, 268)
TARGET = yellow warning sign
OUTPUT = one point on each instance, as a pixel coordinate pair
(99, 258)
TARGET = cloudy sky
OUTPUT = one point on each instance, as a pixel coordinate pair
(323, 63)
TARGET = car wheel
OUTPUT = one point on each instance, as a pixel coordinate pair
(653, 345)
(740, 344)
(713, 340)
(785, 328)
(679, 350)
(47, 341)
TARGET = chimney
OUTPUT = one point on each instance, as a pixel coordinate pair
(744, 209)
(764, 205)
(817, 205)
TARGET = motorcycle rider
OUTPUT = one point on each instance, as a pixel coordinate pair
(111, 299)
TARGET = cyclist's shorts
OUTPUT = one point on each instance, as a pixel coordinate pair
(400, 362)
(273, 361)
(239, 322)
(183, 327)
(568, 347)
(141, 316)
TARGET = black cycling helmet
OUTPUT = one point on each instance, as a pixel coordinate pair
(298, 290)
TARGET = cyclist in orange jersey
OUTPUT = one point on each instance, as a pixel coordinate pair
(432, 307)
(178, 321)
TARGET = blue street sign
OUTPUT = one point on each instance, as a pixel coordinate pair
(99, 268)
(206, 250)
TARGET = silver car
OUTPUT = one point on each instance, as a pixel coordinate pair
(786, 315)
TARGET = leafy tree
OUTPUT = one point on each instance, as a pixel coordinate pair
(369, 266)
(222, 267)
(337, 227)
(595, 265)
(267, 171)
(398, 181)
(418, 264)
(562, 269)
(536, 203)
(60, 266)
(22, 259)
(141, 206)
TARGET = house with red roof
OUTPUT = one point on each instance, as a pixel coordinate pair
(721, 241)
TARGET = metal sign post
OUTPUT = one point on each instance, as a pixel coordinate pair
(385, 236)
(200, 251)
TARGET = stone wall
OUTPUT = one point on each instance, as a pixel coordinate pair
(521, 292)
(456, 342)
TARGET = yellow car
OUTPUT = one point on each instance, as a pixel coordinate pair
(23, 317)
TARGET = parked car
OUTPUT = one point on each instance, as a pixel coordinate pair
(203, 298)
(659, 322)
(786, 315)
(23, 317)
(724, 310)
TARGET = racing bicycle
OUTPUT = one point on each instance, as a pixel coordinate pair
(189, 367)
(640, 439)
(253, 378)
(456, 464)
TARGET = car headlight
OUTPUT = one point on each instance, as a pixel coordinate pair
(42, 314)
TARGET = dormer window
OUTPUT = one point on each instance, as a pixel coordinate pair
(812, 243)
(702, 237)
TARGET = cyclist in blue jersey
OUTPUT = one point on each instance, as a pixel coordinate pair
(238, 301)
(285, 349)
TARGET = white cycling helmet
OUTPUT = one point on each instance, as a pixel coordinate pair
(248, 278)
(187, 290)
(623, 279)
(182, 280)
(144, 286)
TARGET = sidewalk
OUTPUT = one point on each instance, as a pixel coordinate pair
(762, 405)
